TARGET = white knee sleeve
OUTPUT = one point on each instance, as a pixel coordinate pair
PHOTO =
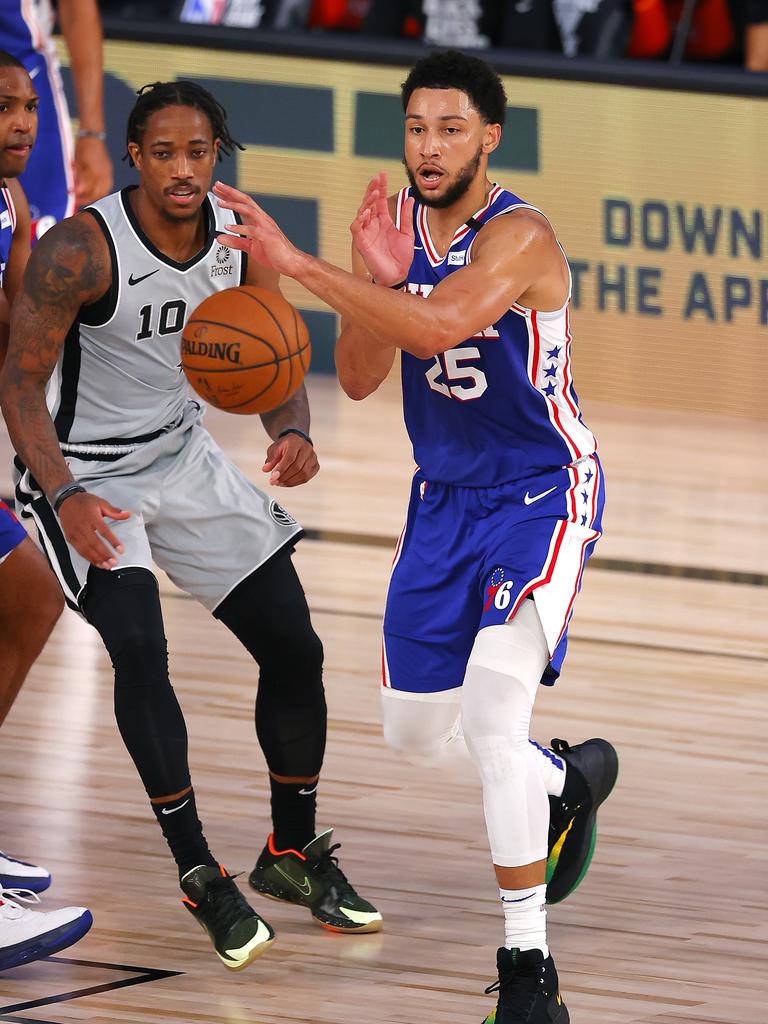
(423, 731)
(499, 690)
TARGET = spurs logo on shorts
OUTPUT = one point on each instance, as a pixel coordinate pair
(281, 517)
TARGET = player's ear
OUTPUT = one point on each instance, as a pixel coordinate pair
(491, 137)
(216, 146)
(134, 152)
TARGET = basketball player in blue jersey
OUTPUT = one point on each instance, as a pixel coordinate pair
(117, 471)
(30, 602)
(61, 174)
(469, 282)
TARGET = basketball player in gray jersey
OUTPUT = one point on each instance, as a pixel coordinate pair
(117, 471)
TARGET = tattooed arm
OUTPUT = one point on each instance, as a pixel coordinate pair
(69, 268)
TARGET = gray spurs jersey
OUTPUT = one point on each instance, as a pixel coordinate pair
(118, 381)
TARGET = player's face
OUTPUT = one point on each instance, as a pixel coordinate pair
(446, 142)
(18, 120)
(176, 160)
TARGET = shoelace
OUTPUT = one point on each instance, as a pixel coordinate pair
(227, 904)
(327, 866)
(513, 990)
(12, 900)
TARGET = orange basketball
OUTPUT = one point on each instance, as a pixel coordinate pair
(245, 350)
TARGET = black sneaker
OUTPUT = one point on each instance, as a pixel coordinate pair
(314, 879)
(529, 992)
(237, 932)
(591, 773)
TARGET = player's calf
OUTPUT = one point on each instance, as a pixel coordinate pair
(592, 769)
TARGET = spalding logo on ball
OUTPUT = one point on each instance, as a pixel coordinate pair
(245, 350)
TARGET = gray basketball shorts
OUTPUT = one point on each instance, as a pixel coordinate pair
(193, 513)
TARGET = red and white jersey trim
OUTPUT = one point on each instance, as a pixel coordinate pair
(11, 206)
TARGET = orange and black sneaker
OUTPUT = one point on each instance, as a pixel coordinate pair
(528, 987)
(313, 879)
(591, 773)
(237, 932)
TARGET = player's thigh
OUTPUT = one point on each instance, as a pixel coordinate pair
(432, 610)
(214, 528)
(30, 598)
(69, 567)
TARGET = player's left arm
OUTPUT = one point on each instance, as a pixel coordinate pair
(291, 459)
(515, 257)
(81, 27)
(21, 243)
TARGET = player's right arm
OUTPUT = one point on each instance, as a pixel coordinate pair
(362, 360)
(69, 268)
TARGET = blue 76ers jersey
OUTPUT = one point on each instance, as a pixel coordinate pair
(7, 226)
(500, 406)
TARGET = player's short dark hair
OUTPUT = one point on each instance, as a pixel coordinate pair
(7, 60)
(451, 69)
(182, 93)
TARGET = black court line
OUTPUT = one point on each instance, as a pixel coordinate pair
(143, 975)
(627, 565)
(688, 572)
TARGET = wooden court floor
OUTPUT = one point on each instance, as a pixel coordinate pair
(668, 660)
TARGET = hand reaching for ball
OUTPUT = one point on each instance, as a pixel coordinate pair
(258, 235)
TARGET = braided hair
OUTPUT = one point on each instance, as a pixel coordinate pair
(182, 93)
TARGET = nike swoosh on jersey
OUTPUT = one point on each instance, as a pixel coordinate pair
(34, 72)
(306, 888)
(172, 810)
(138, 280)
(528, 500)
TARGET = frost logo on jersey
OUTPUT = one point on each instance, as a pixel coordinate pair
(281, 517)
(498, 592)
(222, 257)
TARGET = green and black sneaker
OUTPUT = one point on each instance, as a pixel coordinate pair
(237, 932)
(529, 990)
(592, 769)
(314, 879)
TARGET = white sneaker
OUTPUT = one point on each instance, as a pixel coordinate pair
(27, 935)
(16, 874)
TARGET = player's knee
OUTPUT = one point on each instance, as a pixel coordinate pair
(411, 733)
(124, 606)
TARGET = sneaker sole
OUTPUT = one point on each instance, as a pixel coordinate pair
(361, 929)
(35, 883)
(590, 830)
(46, 945)
(254, 955)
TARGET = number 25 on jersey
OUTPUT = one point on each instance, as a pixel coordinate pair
(453, 374)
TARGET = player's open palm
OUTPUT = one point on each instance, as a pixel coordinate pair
(258, 235)
(386, 249)
(83, 520)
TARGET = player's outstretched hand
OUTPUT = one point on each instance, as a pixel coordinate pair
(290, 461)
(83, 520)
(93, 170)
(258, 235)
(386, 249)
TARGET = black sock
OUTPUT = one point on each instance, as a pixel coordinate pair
(293, 813)
(184, 833)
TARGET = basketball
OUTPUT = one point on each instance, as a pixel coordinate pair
(245, 350)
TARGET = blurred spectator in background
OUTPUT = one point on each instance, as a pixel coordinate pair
(598, 28)
(61, 175)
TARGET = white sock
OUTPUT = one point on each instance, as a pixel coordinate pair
(550, 766)
(525, 918)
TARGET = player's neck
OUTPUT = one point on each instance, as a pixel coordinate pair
(444, 223)
(179, 240)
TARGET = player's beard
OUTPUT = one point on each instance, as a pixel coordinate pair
(456, 191)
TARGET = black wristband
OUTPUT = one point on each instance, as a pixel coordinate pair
(65, 492)
(394, 287)
(295, 430)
